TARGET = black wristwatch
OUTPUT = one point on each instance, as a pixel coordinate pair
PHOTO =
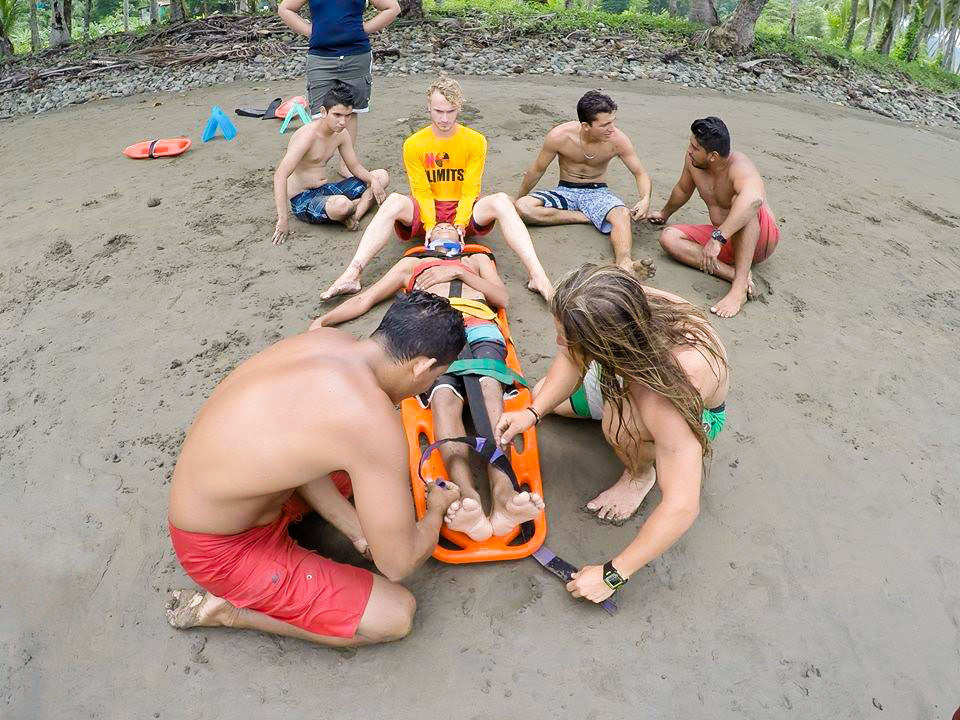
(718, 236)
(611, 577)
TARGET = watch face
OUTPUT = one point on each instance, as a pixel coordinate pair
(613, 578)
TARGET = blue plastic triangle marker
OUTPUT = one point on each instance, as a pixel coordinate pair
(298, 110)
(219, 121)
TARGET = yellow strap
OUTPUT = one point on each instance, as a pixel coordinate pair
(473, 308)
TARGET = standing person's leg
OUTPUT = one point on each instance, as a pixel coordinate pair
(388, 616)
(357, 72)
(498, 207)
(396, 209)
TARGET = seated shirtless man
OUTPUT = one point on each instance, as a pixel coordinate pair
(444, 163)
(480, 282)
(584, 148)
(742, 229)
(288, 432)
(300, 178)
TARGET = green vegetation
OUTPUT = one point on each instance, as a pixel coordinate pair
(821, 27)
(820, 31)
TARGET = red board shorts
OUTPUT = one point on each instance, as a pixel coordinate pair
(446, 212)
(263, 569)
(769, 237)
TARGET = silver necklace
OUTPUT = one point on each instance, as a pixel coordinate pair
(588, 157)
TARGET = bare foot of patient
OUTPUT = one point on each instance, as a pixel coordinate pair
(467, 516)
(347, 284)
(621, 500)
(519, 509)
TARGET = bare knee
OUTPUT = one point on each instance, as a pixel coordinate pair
(394, 203)
(672, 240)
(446, 402)
(338, 206)
(526, 206)
(501, 202)
(619, 217)
(399, 620)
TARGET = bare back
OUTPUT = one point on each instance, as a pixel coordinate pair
(708, 376)
(719, 190)
(310, 171)
(275, 423)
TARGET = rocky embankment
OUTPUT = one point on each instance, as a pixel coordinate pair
(225, 49)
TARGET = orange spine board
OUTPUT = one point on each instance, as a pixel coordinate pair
(418, 427)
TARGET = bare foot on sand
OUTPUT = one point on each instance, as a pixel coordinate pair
(467, 516)
(541, 285)
(195, 608)
(520, 508)
(347, 284)
(731, 303)
(620, 501)
(643, 269)
(751, 289)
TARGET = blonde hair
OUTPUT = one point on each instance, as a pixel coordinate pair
(608, 319)
(450, 90)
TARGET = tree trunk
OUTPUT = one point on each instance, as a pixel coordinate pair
(737, 32)
(126, 15)
(794, 7)
(34, 27)
(177, 12)
(853, 23)
(951, 46)
(154, 12)
(703, 11)
(273, 5)
(914, 32)
(411, 9)
(874, 8)
(87, 9)
(893, 19)
(6, 47)
(926, 29)
(60, 22)
(252, 7)
(672, 8)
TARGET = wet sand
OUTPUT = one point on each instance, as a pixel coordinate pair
(820, 580)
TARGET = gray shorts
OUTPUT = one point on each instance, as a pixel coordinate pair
(354, 70)
(592, 199)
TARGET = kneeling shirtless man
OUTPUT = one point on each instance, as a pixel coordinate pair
(288, 432)
(300, 178)
(481, 284)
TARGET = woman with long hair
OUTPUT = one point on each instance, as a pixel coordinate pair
(649, 366)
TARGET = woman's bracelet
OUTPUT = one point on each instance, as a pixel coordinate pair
(535, 414)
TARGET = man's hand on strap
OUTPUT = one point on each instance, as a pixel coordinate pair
(512, 424)
(438, 274)
(443, 493)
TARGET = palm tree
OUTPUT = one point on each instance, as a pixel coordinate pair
(10, 11)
